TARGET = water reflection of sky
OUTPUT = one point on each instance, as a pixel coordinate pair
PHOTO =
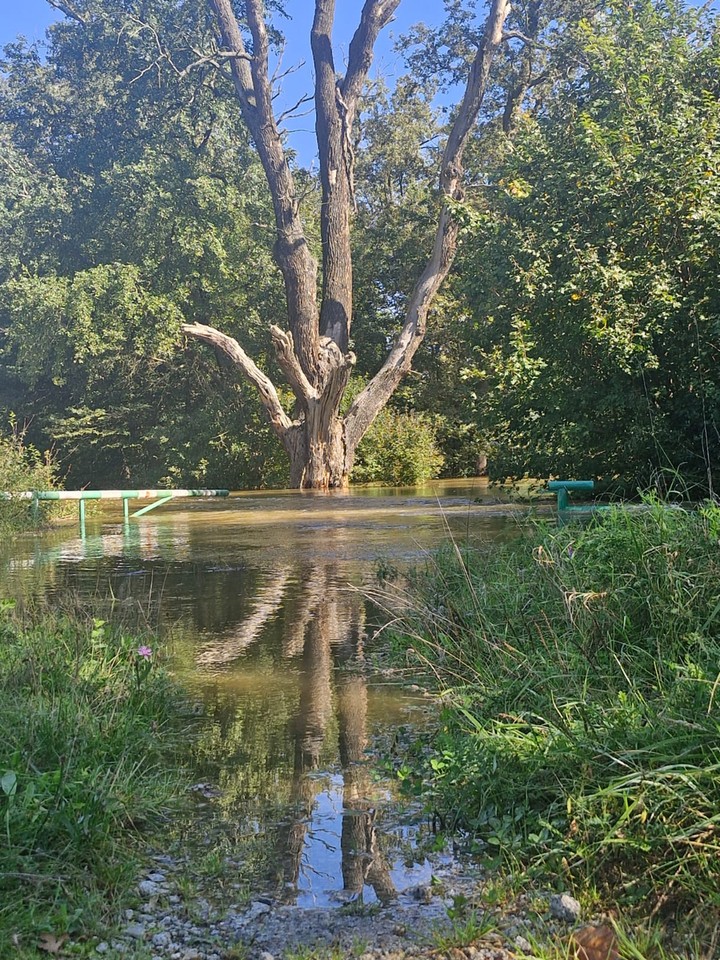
(323, 870)
(262, 598)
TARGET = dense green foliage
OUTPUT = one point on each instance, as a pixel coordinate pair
(84, 769)
(152, 209)
(592, 272)
(580, 734)
(577, 335)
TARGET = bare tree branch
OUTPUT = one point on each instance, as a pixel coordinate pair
(279, 420)
(69, 10)
(376, 394)
(290, 113)
(287, 358)
(523, 80)
(277, 76)
(517, 35)
(292, 254)
(376, 14)
(215, 59)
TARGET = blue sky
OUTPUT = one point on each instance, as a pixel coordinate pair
(31, 17)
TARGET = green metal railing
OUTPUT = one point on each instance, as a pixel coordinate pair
(82, 496)
(562, 489)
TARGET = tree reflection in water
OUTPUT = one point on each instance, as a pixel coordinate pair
(331, 831)
(334, 622)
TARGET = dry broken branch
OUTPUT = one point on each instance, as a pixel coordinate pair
(279, 420)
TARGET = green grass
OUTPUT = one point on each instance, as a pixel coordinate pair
(86, 771)
(462, 931)
(580, 739)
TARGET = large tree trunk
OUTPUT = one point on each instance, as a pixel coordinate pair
(314, 355)
(317, 452)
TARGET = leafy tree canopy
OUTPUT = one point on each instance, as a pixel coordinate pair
(591, 272)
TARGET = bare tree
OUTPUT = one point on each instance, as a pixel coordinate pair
(314, 355)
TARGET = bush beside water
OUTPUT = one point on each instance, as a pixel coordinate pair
(88, 721)
(399, 449)
(581, 674)
(22, 467)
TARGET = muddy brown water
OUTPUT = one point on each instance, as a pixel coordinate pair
(262, 595)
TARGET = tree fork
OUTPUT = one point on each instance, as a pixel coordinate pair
(314, 356)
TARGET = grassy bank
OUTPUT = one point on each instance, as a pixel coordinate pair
(581, 738)
(89, 722)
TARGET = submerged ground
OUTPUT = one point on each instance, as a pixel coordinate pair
(281, 745)
(260, 606)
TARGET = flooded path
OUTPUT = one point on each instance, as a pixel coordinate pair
(262, 598)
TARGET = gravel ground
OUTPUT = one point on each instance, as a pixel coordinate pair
(417, 924)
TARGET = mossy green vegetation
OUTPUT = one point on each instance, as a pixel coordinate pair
(87, 769)
(580, 670)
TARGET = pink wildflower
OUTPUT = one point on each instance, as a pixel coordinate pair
(144, 652)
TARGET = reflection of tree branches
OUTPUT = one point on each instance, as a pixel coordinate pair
(362, 860)
(330, 847)
(309, 868)
(268, 602)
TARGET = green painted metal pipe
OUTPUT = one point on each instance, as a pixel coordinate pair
(561, 488)
(111, 494)
(555, 485)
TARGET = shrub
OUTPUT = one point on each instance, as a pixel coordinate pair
(399, 449)
(22, 467)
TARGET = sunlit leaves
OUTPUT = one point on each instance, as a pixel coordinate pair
(602, 248)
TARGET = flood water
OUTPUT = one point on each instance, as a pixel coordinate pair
(261, 596)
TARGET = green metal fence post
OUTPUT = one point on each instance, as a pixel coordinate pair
(561, 489)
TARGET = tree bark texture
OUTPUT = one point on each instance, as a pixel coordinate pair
(314, 353)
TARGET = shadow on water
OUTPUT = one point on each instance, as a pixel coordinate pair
(263, 598)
